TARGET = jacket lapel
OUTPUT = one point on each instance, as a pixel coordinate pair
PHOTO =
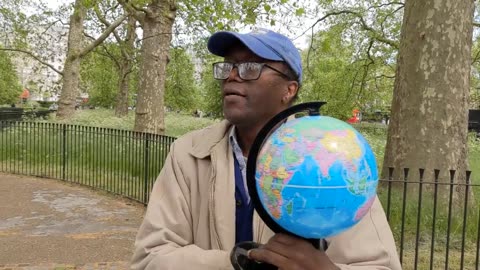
(223, 190)
(213, 143)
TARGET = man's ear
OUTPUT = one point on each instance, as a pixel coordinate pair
(292, 89)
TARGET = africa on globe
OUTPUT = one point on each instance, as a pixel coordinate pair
(316, 176)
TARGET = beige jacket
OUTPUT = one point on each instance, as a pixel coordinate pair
(190, 219)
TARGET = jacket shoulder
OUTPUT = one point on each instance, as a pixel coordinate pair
(200, 142)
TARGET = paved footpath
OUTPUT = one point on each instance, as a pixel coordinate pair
(48, 224)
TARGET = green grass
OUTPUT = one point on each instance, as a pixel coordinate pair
(176, 124)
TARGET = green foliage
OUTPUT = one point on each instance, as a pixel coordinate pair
(345, 75)
(333, 74)
(208, 16)
(475, 78)
(14, 23)
(352, 63)
(299, 11)
(10, 87)
(211, 15)
(210, 89)
(100, 77)
(180, 90)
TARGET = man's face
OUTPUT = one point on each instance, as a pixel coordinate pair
(250, 103)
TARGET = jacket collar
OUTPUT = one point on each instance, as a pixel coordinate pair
(208, 138)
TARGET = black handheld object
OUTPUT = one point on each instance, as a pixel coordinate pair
(239, 254)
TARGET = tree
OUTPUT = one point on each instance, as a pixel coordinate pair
(428, 127)
(124, 61)
(212, 100)
(100, 77)
(180, 90)
(354, 58)
(156, 19)
(126, 67)
(336, 73)
(76, 50)
(10, 87)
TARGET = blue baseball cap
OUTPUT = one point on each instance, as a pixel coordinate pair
(262, 42)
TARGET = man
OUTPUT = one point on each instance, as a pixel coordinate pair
(199, 207)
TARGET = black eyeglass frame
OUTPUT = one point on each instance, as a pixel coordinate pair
(236, 65)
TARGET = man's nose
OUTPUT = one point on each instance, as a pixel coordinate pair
(233, 75)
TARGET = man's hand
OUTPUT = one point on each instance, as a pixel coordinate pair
(291, 253)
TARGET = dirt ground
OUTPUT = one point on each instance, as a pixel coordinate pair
(49, 224)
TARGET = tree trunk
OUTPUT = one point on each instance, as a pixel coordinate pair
(157, 35)
(428, 128)
(121, 106)
(71, 70)
(126, 64)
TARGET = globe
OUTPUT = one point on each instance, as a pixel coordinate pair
(315, 176)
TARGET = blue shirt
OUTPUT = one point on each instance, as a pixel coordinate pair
(244, 207)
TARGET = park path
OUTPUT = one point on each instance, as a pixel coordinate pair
(49, 224)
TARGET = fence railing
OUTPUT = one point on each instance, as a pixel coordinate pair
(119, 161)
(435, 220)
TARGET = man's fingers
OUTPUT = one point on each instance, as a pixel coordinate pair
(291, 241)
(284, 239)
(267, 256)
(287, 251)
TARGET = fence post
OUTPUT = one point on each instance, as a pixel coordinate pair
(146, 159)
(64, 151)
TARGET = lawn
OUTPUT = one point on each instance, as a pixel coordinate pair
(176, 124)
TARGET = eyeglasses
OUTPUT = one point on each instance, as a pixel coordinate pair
(247, 71)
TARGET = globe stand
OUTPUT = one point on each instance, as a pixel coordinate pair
(239, 254)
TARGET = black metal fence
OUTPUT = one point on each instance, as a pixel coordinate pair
(119, 161)
(435, 220)
(17, 114)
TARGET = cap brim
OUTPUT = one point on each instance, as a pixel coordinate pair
(221, 42)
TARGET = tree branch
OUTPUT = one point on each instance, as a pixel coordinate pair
(364, 25)
(335, 13)
(34, 57)
(115, 34)
(476, 24)
(103, 36)
(375, 36)
(369, 55)
(139, 15)
(107, 52)
(110, 55)
(88, 36)
(107, 24)
(144, 10)
(385, 76)
(387, 4)
(50, 25)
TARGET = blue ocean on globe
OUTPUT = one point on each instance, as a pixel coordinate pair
(316, 176)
